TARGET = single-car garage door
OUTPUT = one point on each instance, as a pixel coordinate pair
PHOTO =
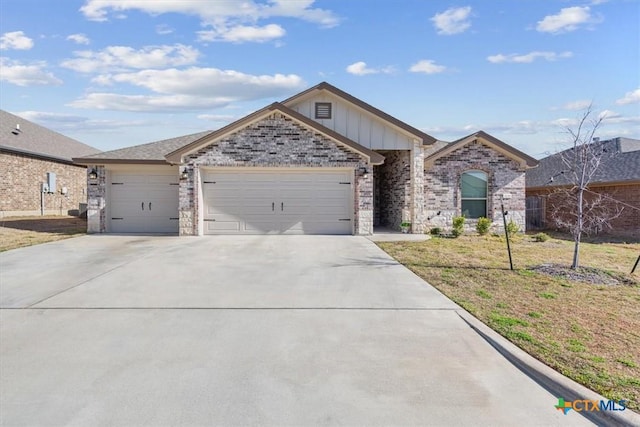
(141, 203)
(278, 201)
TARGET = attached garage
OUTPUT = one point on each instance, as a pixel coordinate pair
(274, 171)
(143, 202)
(278, 201)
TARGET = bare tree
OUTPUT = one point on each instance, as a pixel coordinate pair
(574, 206)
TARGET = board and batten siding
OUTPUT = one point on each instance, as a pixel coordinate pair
(356, 124)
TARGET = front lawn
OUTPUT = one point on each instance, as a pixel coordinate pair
(580, 326)
(17, 232)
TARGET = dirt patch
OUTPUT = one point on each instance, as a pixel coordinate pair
(18, 232)
(595, 276)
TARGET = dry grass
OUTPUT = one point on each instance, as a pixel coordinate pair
(589, 332)
(17, 232)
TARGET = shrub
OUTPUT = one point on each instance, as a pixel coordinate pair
(483, 225)
(512, 228)
(458, 226)
(435, 231)
(540, 237)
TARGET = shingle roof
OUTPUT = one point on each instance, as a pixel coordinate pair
(150, 152)
(620, 162)
(34, 139)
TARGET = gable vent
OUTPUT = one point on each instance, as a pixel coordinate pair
(323, 110)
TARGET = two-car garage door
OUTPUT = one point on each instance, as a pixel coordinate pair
(277, 202)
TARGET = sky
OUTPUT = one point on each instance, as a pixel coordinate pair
(116, 73)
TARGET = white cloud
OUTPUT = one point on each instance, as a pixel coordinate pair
(70, 122)
(360, 68)
(452, 21)
(568, 19)
(582, 104)
(300, 9)
(147, 103)
(632, 97)
(608, 114)
(21, 74)
(163, 29)
(121, 58)
(427, 66)
(15, 40)
(217, 118)
(229, 21)
(565, 122)
(79, 38)
(243, 33)
(528, 58)
(209, 82)
(42, 116)
(189, 89)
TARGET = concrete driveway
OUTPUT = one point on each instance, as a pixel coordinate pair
(243, 330)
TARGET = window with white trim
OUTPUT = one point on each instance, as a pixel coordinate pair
(473, 193)
(323, 110)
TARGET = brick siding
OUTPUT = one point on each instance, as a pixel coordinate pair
(276, 141)
(442, 186)
(21, 180)
(627, 224)
(393, 189)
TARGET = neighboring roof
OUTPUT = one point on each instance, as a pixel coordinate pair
(176, 155)
(22, 136)
(426, 138)
(153, 152)
(620, 163)
(506, 149)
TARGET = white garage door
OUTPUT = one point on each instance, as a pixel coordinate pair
(277, 202)
(143, 203)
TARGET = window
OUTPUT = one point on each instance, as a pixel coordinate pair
(473, 189)
(323, 110)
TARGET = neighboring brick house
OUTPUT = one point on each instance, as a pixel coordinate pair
(320, 162)
(31, 157)
(617, 177)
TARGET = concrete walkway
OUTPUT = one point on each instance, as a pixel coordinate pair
(244, 330)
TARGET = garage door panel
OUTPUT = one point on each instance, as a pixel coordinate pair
(278, 202)
(252, 193)
(343, 177)
(298, 193)
(260, 226)
(143, 203)
(336, 211)
(222, 226)
(317, 227)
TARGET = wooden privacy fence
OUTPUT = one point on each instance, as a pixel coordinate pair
(535, 213)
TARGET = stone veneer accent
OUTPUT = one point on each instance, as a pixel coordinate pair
(442, 185)
(96, 200)
(419, 211)
(21, 191)
(275, 141)
(393, 189)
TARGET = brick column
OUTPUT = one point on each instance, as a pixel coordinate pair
(364, 203)
(96, 200)
(418, 211)
(186, 206)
